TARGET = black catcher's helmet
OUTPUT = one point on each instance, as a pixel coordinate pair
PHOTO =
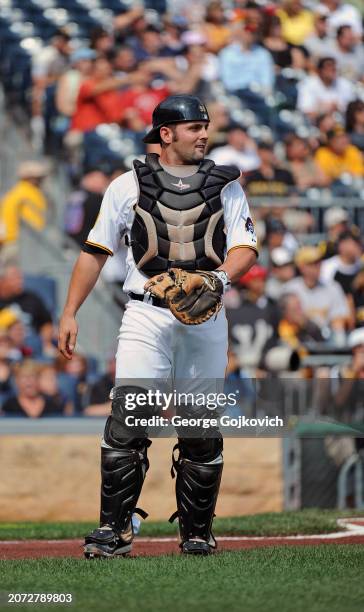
(176, 109)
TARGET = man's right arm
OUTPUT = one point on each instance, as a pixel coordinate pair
(84, 276)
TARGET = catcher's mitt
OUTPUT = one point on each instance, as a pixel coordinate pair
(192, 297)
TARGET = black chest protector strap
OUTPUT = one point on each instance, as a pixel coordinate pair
(179, 222)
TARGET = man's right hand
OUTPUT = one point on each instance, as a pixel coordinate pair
(67, 335)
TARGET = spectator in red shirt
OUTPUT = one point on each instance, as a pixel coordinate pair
(99, 99)
(137, 103)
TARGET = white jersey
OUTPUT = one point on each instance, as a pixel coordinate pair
(117, 215)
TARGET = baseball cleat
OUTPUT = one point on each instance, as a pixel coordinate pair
(196, 547)
(104, 543)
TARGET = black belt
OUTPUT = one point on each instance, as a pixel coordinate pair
(148, 299)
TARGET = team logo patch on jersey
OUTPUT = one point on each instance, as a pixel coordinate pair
(181, 186)
(249, 226)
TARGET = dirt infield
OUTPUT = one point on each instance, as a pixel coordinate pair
(145, 547)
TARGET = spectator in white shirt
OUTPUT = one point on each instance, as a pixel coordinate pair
(319, 44)
(325, 91)
(323, 303)
(344, 266)
(240, 150)
(344, 14)
(348, 53)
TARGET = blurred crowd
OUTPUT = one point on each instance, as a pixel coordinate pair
(284, 85)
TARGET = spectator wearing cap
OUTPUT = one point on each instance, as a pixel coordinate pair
(276, 235)
(339, 158)
(24, 202)
(295, 328)
(84, 203)
(355, 123)
(247, 69)
(344, 266)
(12, 326)
(282, 270)
(253, 321)
(300, 162)
(297, 22)
(215, 27)
(69, 83)
(324, 92)
(240, 150)
(269, 179)
(323, 303)
(13, 295)
(319, 44)
(336, 221)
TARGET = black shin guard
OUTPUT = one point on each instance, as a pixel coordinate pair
(123, 472)
(197, 488)
(124, 463)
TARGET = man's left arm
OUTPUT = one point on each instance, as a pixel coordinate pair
(241, 240)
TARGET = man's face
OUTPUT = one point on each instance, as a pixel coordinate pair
(238, 139)
(266, 155)
(311, 272)
(321, 25)
(339, 143)
(350, 249)
(297, 149)
(256, 286)
(187, 140)
(102, 68)
(347, 39)
(328, 72)
(293, 310)
(284, 273)
(125, 60)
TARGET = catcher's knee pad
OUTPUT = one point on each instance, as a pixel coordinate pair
(197, 487)
(201, 449)
(122, 476)
(118, 434)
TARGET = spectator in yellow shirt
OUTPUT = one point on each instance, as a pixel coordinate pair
(339, 157)
(24, 202)
(297, 22)
(215, 27)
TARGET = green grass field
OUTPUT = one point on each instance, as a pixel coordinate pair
(283, 579)
(280, 579)
(268, 524)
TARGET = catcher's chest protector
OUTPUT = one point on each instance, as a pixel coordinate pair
(179, 222)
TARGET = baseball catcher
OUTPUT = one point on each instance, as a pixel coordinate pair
(188, 232)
